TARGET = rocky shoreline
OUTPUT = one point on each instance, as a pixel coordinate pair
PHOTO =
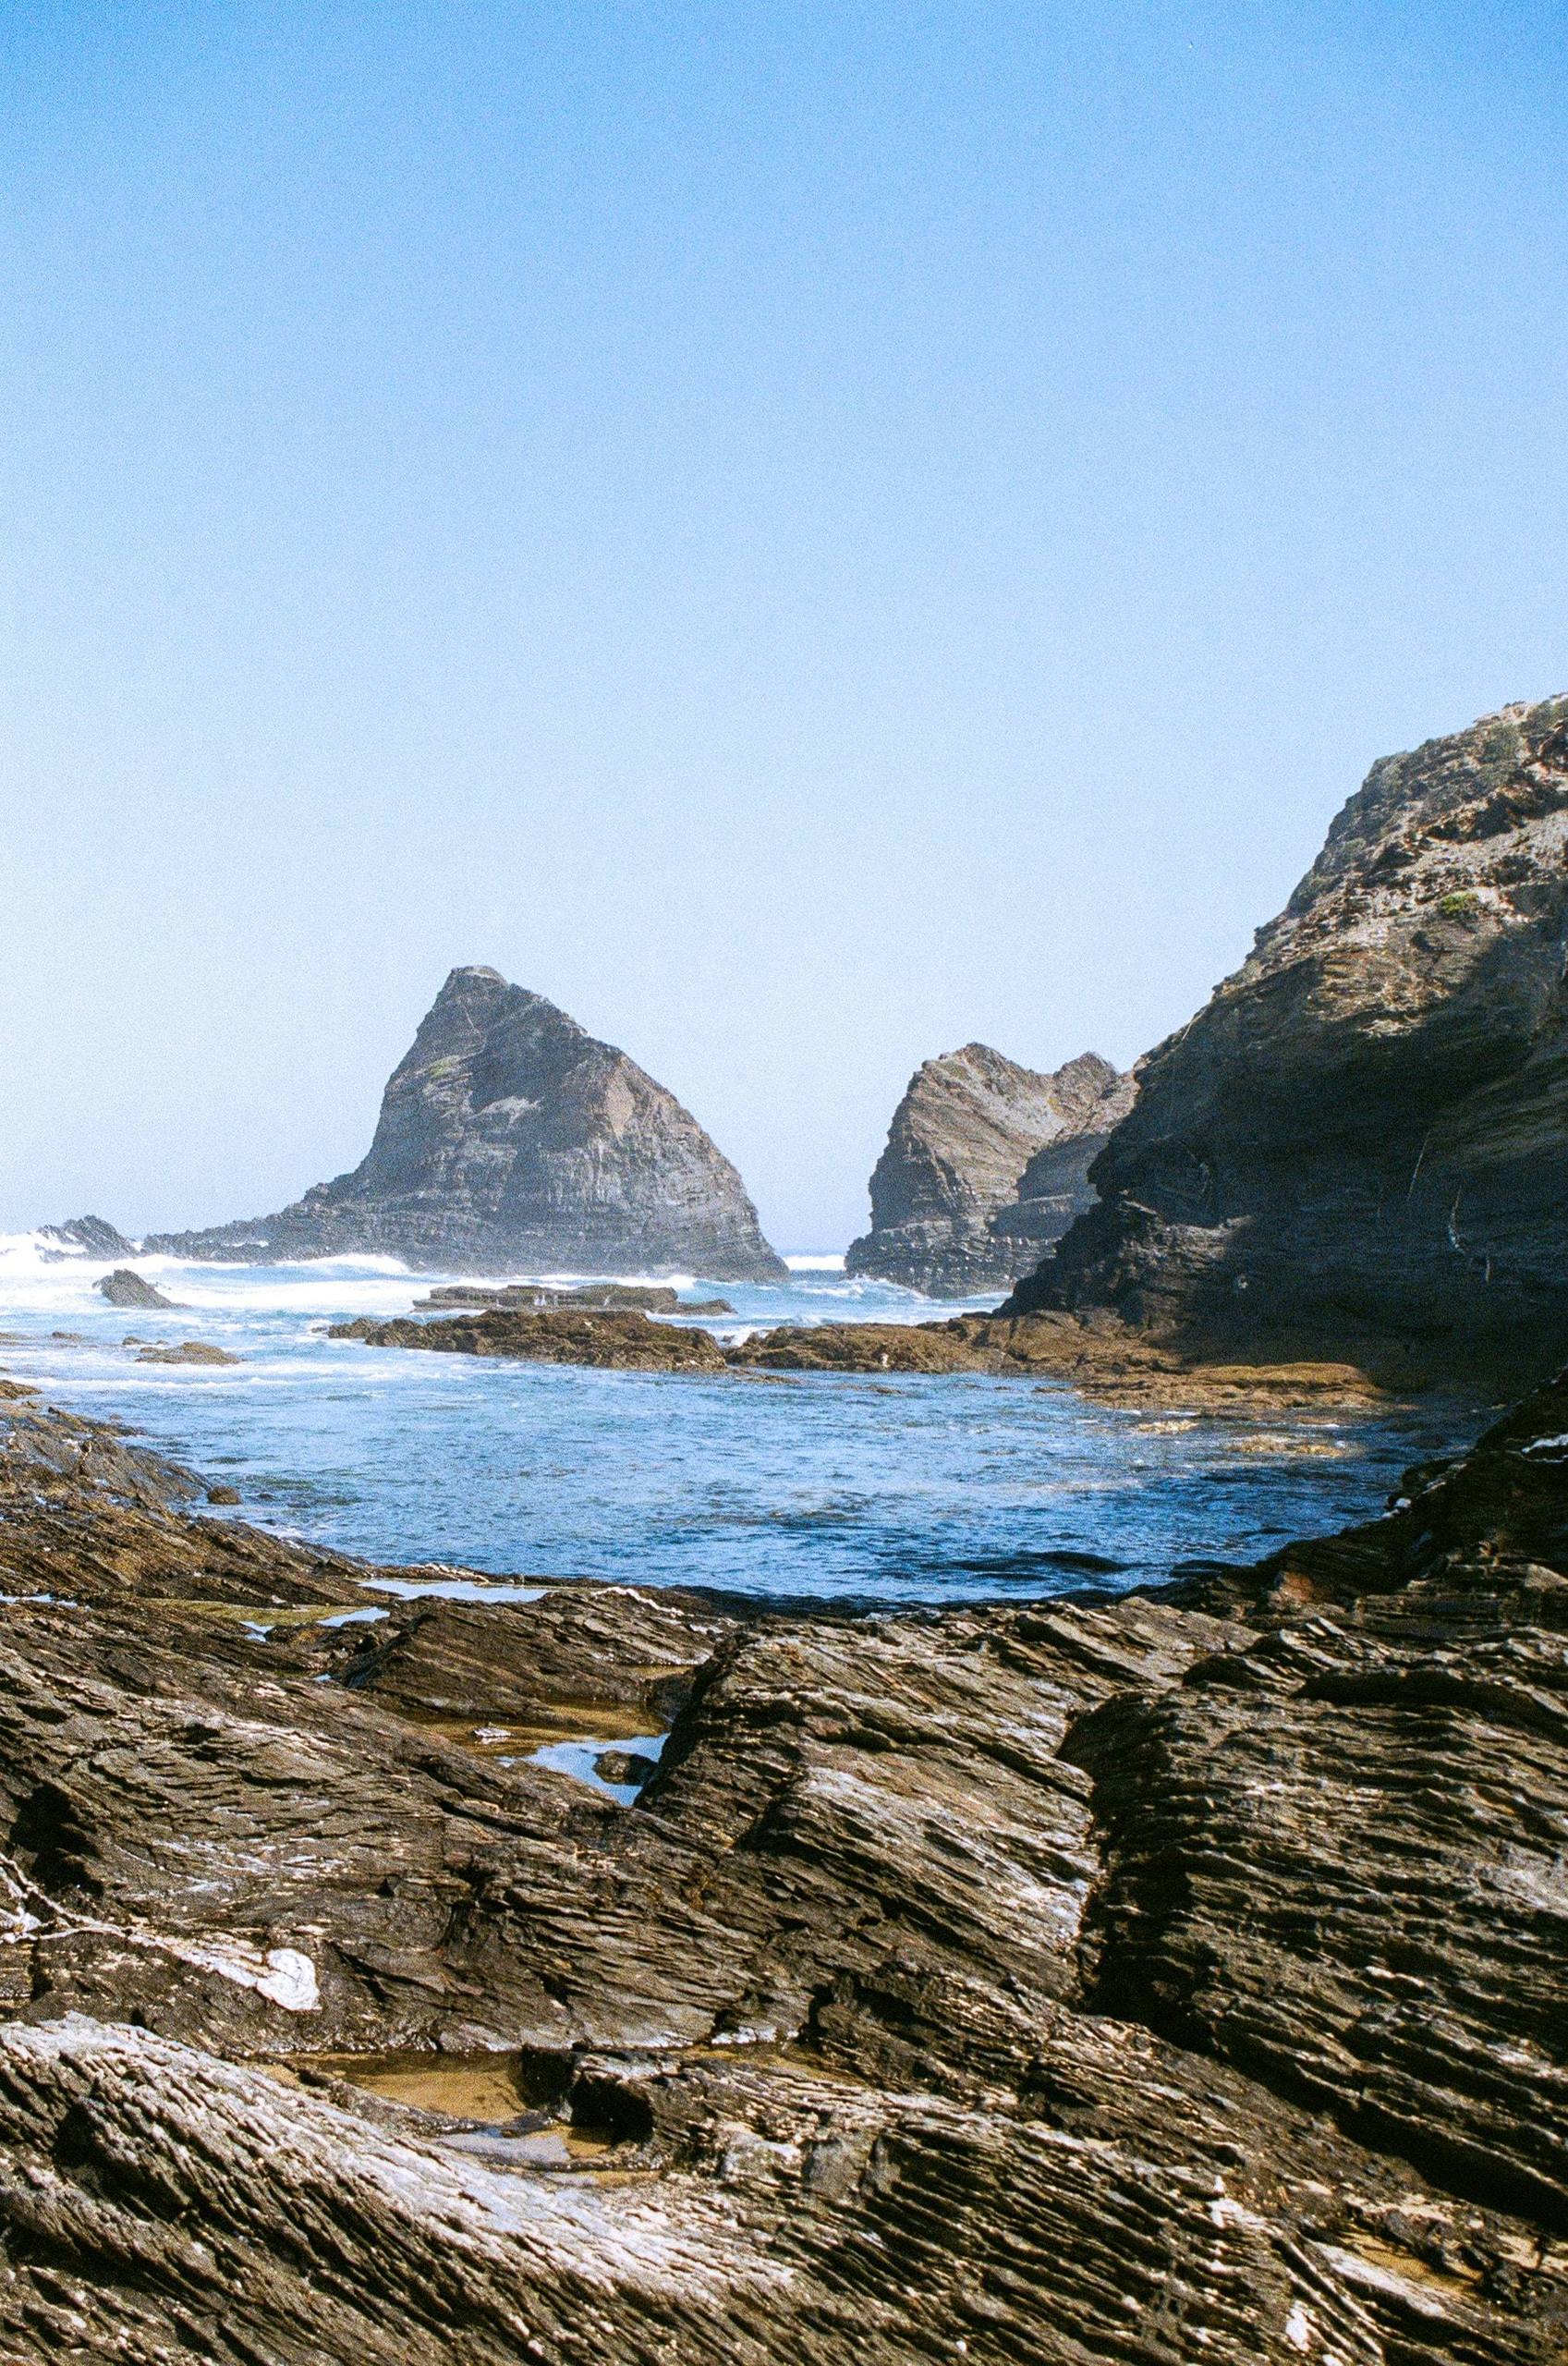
(1101, 1357)
(1144, 1978)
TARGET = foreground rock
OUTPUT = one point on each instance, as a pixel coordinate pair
(1357, 1149)
(1131, 1981)
(985, 1165)
(124, 1287)
(511, 1137)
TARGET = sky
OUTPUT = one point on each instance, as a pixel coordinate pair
(809, 534)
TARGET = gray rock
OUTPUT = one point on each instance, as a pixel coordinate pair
(1358, 1148)
(123, 1288)
(509, 1138)
(984, 1165)
(92, 1235)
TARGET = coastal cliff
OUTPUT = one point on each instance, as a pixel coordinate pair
(510, 1138)
(1359, 1147)
(1097, 1980)
(985, 1165)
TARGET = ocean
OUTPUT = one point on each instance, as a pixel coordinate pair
(876, 1488)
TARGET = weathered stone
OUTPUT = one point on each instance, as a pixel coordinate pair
(1357, 1149)
(87, 1236)
(984, 1165)
(509, 1138)
(124, 1287)
(1082, 1981)
(624, 1340)
(188, 1351)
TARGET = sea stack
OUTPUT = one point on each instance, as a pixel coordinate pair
(511, 1139)
(986, 1165)
(1359, 1147)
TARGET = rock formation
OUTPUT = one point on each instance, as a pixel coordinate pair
(510, 1137)
(86, 1236)
(1360, 1145)
(124, 1287)
(984, 1165)
(1093, 1981)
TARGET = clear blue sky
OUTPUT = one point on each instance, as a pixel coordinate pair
(806, 533)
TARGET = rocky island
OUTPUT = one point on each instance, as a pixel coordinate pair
(1147, 1978)
(511, 1139)
(984, 1165)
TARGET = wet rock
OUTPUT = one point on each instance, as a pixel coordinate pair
(959, 1201)
(629, 1766)
(124, 1287)
(642, 1298)
(1129, 1979)
(510, 1138)
(626, 1342)
(88, 1236)
(1356, 1149)
(863, 1346)
(188, 1351)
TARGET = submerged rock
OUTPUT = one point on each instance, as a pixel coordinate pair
(985, 1164)
(1357, 1148)
(1093, 1981)
(124, 1287)
(509, 1138)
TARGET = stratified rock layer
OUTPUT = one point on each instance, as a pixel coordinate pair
(509, 1140)
(984, 1165)
(1361, 1144)
(1093, 1983)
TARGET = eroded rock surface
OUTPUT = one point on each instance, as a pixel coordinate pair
(1359, 1145)
(126, 1287)
(1136, 1979)
(511, 1139)
(984, 1165)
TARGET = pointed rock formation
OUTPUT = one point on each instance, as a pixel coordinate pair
(509, 1140)
(85, 1236)
(984, 1165)
(1360, 1146)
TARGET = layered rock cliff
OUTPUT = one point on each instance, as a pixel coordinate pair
(1360, 1145)
(984, 1165)
(511, 1139)
(1091, 1982)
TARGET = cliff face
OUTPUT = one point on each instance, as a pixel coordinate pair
(984, 1165)
(1360, 1141)
(509, 1138)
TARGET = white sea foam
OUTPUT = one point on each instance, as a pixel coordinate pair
(816, 1264)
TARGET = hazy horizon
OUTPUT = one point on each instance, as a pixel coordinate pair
(807, 538)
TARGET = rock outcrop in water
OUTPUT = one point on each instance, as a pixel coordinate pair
(1090, 1982)
(126, 1287)
(509, 1138)
(984, 1165)
(87, 1236)
(1360, 1146)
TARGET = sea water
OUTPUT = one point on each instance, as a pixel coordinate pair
(875, 1487)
